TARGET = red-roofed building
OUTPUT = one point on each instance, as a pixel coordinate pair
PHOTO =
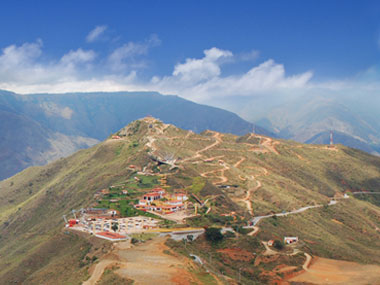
(159, 190)
(180, 197)
(73, 222)
(111, 236)
(152, 196)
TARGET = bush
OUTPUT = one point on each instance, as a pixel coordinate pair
(214, 234)
(229, 234)
(278, 244)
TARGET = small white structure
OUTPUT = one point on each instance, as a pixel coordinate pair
(179, 197)
(290, 240)
(112, 212)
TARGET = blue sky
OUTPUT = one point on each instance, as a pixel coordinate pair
(160, 45)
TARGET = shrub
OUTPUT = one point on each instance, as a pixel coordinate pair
(134, 240)
(278, 244)
(213, 234)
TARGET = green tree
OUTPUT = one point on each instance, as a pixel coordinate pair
(278, 244)
(115, 227)
(214, 234)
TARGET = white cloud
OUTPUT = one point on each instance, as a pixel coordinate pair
(96, 33)
(24, 69)
(71, 61)
(17, 61)
(195, 70)
(249, 56)
(78, 56)
(14, 55)
(22, 66)
(201, 80)
(124, 57)
(118, 58)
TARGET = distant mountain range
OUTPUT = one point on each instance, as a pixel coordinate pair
(38, 128)
(354, 120)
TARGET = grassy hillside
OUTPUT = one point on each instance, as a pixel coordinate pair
(251, 175)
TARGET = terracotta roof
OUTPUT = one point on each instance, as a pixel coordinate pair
(158, 189)
(111, 235)
(152, 194)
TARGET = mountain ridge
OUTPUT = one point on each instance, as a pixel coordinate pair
(83, 119)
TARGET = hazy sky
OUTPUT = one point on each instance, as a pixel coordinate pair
(201, 50)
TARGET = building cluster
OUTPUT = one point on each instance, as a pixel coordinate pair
(290, 240)
(100, 222)
(157, 200)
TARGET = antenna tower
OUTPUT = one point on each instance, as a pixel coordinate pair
(331, 138)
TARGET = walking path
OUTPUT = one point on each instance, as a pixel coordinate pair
(257, 219)
(99, 270)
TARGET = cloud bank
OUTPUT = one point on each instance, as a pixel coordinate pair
(24, 69)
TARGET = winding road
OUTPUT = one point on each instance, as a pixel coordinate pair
(257, 219)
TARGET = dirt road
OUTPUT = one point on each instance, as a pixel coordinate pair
(99, 269)
(247, 199)
(197, 154)
(237, 164)
(305, 266)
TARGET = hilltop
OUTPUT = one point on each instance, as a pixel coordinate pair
(236, 178)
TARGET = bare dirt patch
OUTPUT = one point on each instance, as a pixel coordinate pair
(337, 222)
(329, 271)
(237, 254)
(148, 264)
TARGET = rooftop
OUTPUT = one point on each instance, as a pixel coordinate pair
(113, 236)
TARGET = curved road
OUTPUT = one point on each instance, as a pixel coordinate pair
(256, 220)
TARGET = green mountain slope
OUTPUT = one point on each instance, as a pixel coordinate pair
(251, 175)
